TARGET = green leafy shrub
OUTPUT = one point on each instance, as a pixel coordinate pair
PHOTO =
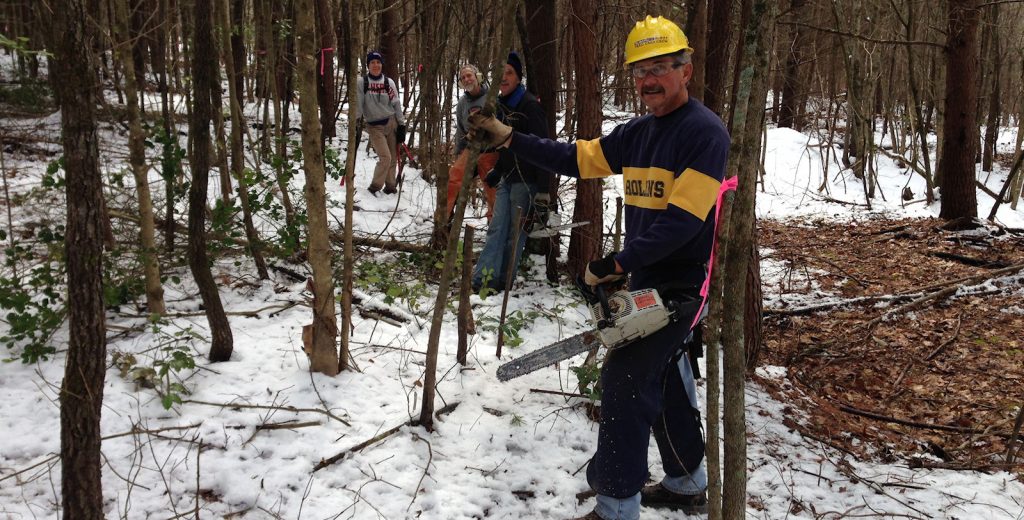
(160, 367)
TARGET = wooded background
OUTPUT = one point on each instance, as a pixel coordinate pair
(936, 80)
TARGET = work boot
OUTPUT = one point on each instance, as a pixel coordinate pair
(655, 495)
(390, 190)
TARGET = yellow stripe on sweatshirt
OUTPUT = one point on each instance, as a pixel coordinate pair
(647, 187)
(591, 161)
(695, 193)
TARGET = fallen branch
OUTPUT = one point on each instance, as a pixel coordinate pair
(959, 322)
(134, 431)
(387, 245)
(800, 311)
(426, 469)
(555, 392)
(968, 260)
(1011, 450)
(914, 424)
(247, 314)
(286, 425)
(376, 314)
(295, 276)
(942, 294)
(266, 407)
(958, 466)
(376, 438)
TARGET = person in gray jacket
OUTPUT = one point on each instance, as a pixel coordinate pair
(471, 101)
(380, 107)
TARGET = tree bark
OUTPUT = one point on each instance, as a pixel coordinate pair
(324, 358)
(544, 82)
(81, 394)
(351, 68)
(426, 418)
(585, 241)
(792, 89)
(697, 33)
(140, 170)
(203, 73)
(995, 93)
(717, 70)
(959, 131)
(743, 161)
(238, 125)
(325, 76)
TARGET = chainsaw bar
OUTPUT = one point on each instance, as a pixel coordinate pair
(550, 231)
(549, 355)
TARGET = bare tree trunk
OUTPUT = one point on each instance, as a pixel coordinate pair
(390, 23)
(960, 133)
(238, 126)
(743, 161)
(81, 394)
(544, 73)
(325, 76)
(277, 89)
(169, 168)
(140, 170)
(717, 70)
(994, 95)
(1015, 188)
(697, 33)
(433, 27)
(324, 358)
(585, 242)
(920, 123)
(426, 418)
(351, 71)
(203, 73)
(238, 50)
(792, 88)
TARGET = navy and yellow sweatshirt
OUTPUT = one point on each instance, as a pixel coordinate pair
(672, 167)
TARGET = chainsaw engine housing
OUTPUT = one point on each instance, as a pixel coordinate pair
(634, 315)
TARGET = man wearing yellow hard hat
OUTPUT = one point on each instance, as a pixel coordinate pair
(672, 161)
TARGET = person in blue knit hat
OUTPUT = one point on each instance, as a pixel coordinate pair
(380, 107)
(517, 181)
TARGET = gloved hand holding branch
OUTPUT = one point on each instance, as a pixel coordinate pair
(488, 131)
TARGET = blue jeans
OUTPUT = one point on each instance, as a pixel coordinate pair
(498, 252)
(647, 387)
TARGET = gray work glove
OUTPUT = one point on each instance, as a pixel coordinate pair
(488, 131)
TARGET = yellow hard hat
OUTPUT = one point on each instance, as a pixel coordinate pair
(654, 36)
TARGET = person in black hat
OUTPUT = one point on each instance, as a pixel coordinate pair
(381, 108)
(517, 181)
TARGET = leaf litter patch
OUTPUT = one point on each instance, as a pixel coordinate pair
(900, 340)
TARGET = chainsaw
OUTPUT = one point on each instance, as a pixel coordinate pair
(621, 318)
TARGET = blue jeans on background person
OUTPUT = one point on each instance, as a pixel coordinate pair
(498, 248)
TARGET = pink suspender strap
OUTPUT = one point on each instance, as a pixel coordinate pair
(730, 184)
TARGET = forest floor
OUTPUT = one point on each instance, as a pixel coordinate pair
(939, 370)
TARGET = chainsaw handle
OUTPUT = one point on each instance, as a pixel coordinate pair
(606, 309)
(597, 294)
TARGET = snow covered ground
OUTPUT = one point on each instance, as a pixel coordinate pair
(252, 429)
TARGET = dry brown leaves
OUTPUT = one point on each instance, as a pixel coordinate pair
(958, 406)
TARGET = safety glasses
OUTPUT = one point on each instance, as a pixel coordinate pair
(657, 70)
